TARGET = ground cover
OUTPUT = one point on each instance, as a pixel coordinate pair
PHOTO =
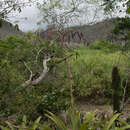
(92, 69)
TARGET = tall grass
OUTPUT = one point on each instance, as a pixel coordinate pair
(92, 68)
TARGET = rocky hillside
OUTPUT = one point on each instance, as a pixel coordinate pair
(7, 29)
(77, 34)
(87, 33)
(98, 31)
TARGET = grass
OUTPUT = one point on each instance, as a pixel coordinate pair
(96, 58)
(92, 69)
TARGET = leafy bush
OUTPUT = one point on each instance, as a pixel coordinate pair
(92, 70)
(30, 101)
(122, 31)
(105, 46)
(54, 100)
(122, 24)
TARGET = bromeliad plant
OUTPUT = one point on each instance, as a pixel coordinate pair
(74, 121)
(25, 125)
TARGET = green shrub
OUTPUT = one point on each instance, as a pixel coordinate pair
(105, 46)
(91, 72)
(122, 24)
(30, 101)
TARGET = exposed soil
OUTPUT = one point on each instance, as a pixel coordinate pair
(105, 110)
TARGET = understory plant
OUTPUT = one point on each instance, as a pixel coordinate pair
(75, 120)
(22, 61)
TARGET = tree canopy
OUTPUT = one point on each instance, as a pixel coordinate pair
(121, 5)
(7, 6)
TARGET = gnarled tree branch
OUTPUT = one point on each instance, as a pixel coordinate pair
(40, 78)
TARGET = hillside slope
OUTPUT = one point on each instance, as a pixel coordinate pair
(90, 33)
(6, 29)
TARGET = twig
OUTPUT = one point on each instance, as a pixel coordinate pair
(31, 73)
(123, 100)
(38, 54)
(124, 105)
(124, 94)
(65, 58)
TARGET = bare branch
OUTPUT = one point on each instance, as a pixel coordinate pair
(40, 78)
(38, 54)
(124, 104)
(29, 71)
(43, 74)
(124, 94)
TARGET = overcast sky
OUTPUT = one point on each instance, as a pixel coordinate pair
(27, 19)
(32, 15)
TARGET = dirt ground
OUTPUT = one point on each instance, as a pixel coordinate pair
(102, 109)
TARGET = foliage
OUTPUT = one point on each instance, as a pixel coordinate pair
(122, 32)
(73, 121)
(26, 125)
(92, 70)
(122, 24)
(18, 101)
(8, 6)
(105, 46)
(68, 11)
(111, 5)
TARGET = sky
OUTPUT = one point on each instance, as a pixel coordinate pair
(27, 19)
(30, 16)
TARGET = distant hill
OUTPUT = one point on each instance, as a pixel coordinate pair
(86, 33)
(99, 31)
(6, 29)
(89, 33)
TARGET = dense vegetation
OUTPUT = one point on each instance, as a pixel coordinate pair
(74, 121)
(26, 101)
(39, 79)
(91, 68)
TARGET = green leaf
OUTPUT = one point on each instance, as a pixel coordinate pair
(107, 127)
(56, 120)
(4, 128)
(10, 125)
(24, 122)
(36, 123)
(128, 10)
(83, 126)
(124, 128)
(46, 127)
